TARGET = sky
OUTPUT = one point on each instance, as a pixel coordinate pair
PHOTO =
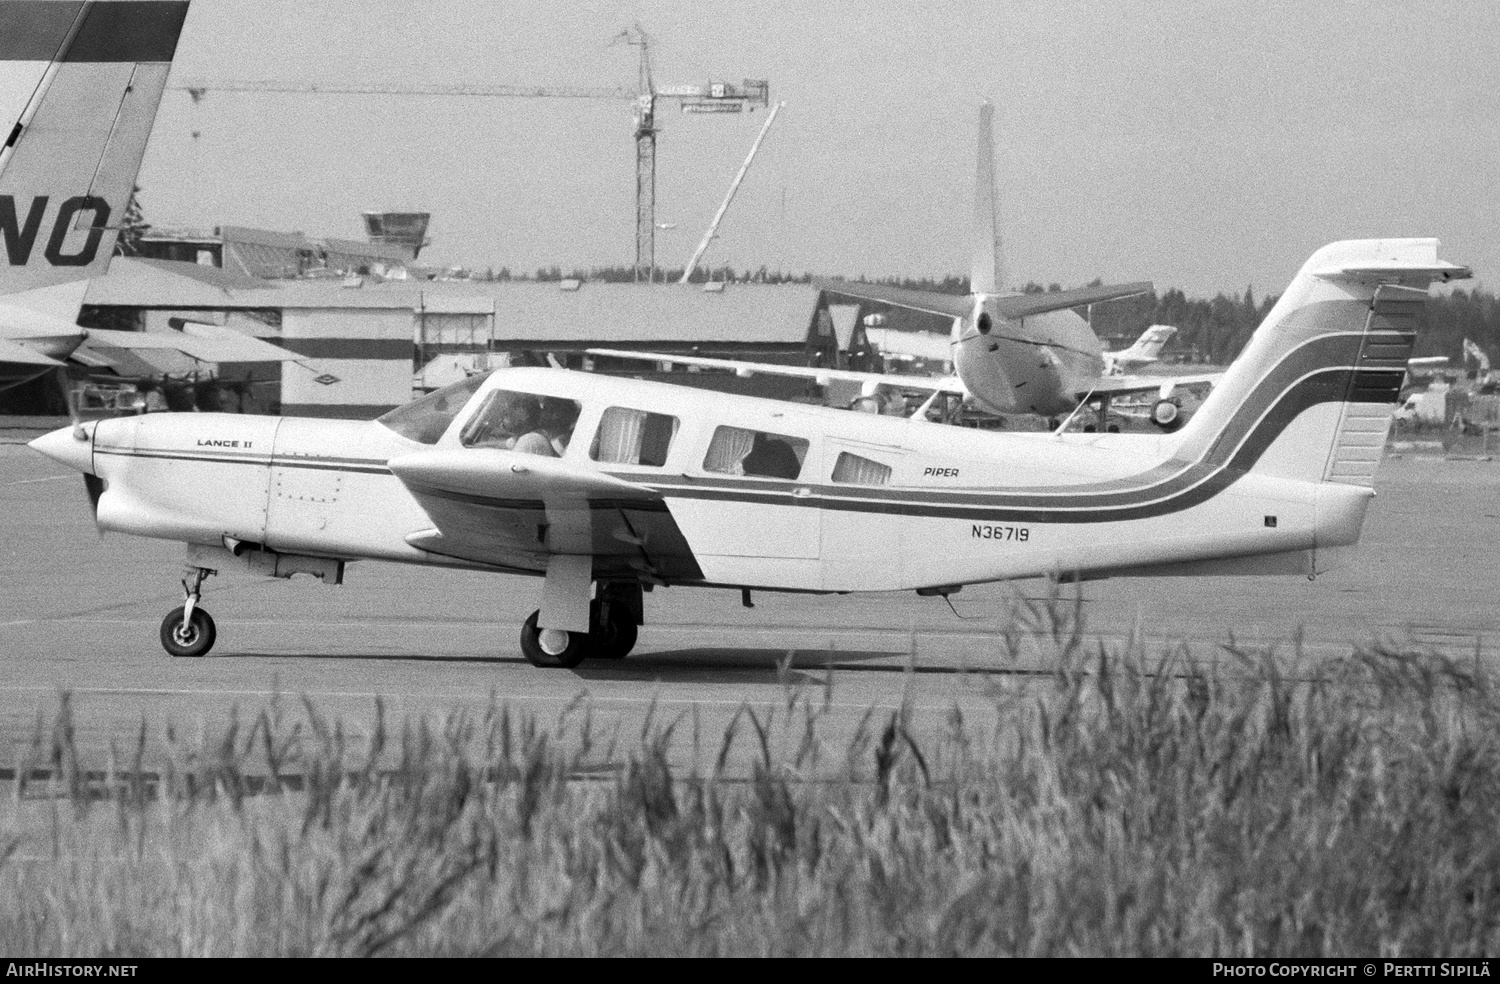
(1203, 144)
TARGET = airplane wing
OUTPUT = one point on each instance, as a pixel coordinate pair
(1162, 385)
(205, 343)
(869, 381)
(14, 353)
(514, 510)
(1011, 307)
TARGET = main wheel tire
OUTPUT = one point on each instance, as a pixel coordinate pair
(194, 640)
(613, 639)
(552, 648)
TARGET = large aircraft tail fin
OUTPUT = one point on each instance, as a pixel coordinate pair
(1312, 395)
(87, 78)
(986, 271)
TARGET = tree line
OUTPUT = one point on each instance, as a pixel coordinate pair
(1209, 330)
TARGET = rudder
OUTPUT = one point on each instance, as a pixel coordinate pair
(1312, 395)
(71, 157)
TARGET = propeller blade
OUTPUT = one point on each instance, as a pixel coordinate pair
(95, 486)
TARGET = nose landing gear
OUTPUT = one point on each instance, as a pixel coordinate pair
(189, 631)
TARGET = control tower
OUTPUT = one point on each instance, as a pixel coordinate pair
(405, 229)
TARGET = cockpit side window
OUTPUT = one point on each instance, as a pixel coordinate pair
(424, 420)
(737, 451)
(524, 422)
(633, 437)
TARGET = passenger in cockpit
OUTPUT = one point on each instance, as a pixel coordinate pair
(556, 423)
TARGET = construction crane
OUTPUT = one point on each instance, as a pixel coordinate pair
(712, 97)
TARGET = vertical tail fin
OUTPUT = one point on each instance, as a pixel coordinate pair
(73, 151)
(986, 271)
(1311, 396)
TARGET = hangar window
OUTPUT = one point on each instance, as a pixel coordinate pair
(633, 437)
(736, 451)
(851, 469)
(522, 422)
(425, 420)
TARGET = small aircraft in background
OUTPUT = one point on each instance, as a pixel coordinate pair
(607, 488)
(1011, 352)
(82, 83)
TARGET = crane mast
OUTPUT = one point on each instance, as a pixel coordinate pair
(713, 97)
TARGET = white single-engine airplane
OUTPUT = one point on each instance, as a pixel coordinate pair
(607, 487)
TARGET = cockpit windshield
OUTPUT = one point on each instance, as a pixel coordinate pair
(425, 420)
(527, 422)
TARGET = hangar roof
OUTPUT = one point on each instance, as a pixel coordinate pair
(620, 314)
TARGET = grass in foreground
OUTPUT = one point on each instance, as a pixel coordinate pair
(1120, 805)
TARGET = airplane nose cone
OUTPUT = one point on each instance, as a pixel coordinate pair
(72, 446)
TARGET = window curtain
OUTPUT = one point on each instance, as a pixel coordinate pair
(620, 436)
(728, 449)
(851, 469)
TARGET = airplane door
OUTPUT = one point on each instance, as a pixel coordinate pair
(764, 502)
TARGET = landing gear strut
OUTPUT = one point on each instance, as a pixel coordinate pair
(189, 631)
(614, 620)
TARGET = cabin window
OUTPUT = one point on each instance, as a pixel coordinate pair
(633, 437)
(523, 422)
(736, 451)
(851, 469)
(425, 420)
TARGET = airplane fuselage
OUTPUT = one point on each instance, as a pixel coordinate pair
(1034, 365)
(878, 503)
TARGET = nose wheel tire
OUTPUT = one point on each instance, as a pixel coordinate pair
(552, 648)
(191, 640)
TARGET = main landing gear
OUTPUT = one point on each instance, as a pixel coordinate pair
(189, 631)
(614, 621)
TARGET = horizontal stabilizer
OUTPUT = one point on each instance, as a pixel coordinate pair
(1387, 261)
(927, 301)
(1010, 307)
(1017, 306)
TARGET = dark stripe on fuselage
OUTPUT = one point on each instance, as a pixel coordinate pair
(128, 31)
(363, 466)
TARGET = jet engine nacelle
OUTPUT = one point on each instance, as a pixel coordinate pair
(1167, 414)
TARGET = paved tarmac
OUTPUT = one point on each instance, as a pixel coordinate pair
(80, 613)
